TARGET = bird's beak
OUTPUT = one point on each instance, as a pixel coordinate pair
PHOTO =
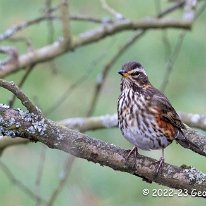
(123, 73)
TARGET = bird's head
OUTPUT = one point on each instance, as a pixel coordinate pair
(133, 73)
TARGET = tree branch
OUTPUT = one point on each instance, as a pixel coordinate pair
(13, 56)
(74, 85)
(20, 95)
(102, 76)
(7, 141)
(23, 80)
(110, 121)
(48, 17)
(64, 9)
(111, 10)
(178, 4)
(63, 179)
(17, 182)
(171, 61)
(40, 173)
(194, 120)
(53, 135)
(57, 48)
(189, 13)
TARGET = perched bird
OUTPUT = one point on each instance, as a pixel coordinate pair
(145, 116)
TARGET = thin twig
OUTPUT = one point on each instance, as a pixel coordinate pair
(200, 11)
(12, 53)
(164, 36)
(51, 30)
(63, 179)
(167, 44)
(179, 4)
(48, 17)
(110, 121)
(40, 172)
(20, 95)
(16, 28)
(71, 88)
(102, 77)
(58, 48)
(18, 183)
(13, 30)
(171, 61)
(64, 13)
(189, 10)
(109, 9)
(23, 80)
(81, 17)
(49, 9)
(189, 15)
(23, 39)
(50, 26)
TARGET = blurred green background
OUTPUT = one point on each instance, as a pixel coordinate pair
(88, 183)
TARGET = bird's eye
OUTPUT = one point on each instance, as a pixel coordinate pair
(136, 73)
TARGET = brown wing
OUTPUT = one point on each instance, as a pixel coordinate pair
(167, 114)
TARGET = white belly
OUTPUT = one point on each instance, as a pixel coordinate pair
(145, 141)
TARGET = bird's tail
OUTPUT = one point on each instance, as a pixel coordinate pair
(187, 143)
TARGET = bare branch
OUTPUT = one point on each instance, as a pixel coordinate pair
(20, 95)
(200, 11)
(23, 80)
(179, 4)
(91, 123)
(6, 142)
(51, 30)
(194, 120)
(88, 19)
(106, 6)
(13, 30)
(171, 61)
(18, 183)
(13, 56)
(39, 173)
(164, 33)
(50, 26)
(57, 48)
(64, 9)
(125, 25)
(63, 179)
(83, 146)
(102, 77)
(189, 10)
(74, 85)
(109, 121)
(49, 16)
(189, 15)
(80, 124)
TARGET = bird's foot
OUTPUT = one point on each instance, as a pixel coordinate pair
(130, 152)
(133, 150)
(159, 166)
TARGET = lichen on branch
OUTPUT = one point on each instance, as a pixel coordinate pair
(56, 136)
